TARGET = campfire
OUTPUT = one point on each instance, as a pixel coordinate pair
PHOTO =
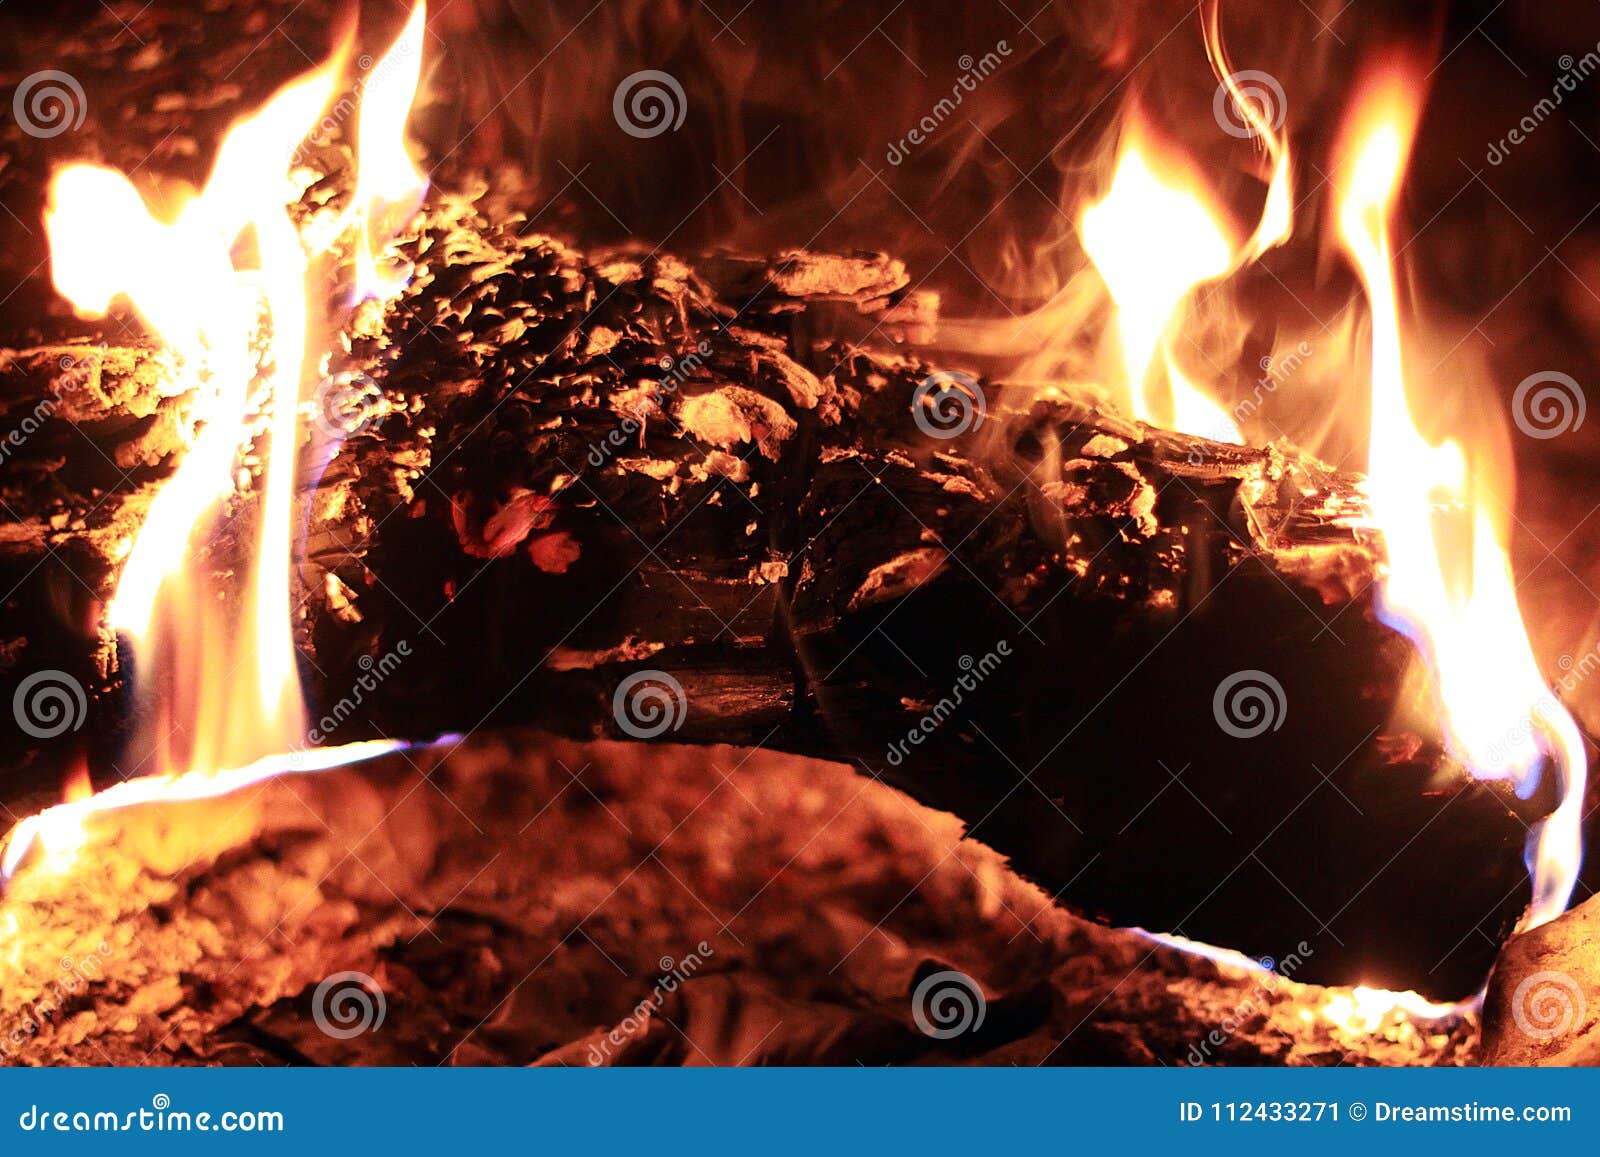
(466, 628)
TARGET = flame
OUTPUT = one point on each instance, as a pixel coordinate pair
(226, 283)
(183, 280)
(78, 786)
(1448, 583)
(1153, 240)
(1363, 1010)
(389, 182)
(57, 834)
(1277, 212)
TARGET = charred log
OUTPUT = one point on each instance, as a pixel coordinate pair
(565, 470)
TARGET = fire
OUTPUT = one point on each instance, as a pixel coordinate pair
(1277, 212)
(388, 182)
(1448, 584)
(57, 834)
(229, 284)
(1153, 240)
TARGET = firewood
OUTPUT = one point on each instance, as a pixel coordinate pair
(520, 898)
(577, 467)
(1543, 1003)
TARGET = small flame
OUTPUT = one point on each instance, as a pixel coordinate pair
(1363, 1010)
(1152, 240)
(79, 786)
(1277, 212)
(1448, 583)
(57, 834)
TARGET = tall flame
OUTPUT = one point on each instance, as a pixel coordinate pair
(1448, 583)
(231, 287)
(388, 181)
(184, 281)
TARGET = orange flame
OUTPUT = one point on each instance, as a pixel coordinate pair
(1448, 583)
(1277, 212)
(1153, 240)
(183, 281)
(226, 287)
(388, 182)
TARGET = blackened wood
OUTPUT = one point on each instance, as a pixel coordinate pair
(588, 465)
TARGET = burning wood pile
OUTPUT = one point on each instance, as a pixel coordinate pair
(806, 695)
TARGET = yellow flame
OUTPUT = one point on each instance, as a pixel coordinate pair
(1152, 240)
(388, 182)
(56, 835)
(1448, 582)
(226, 285)
(1364, 1010)
(185, 282)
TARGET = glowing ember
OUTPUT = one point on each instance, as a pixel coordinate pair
(1448, 583)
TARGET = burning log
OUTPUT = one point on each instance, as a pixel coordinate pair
(563, 476)
(527, 896)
